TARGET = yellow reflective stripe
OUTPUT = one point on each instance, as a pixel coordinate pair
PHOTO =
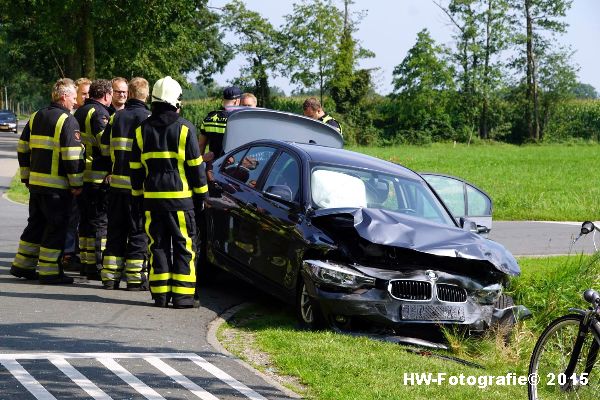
(121, 143)
(194, 162)
(88, 125)
(54, 181)
(160, 289)
(183, 290)
(25, 262)
(71, 153)
(31, 122)
(56, 150)
(135, 165)
(49, 253)
(168, 195)
(104, 149)
(201, 189)
(188, 246)
(137, 192)
(181, 157)
(120, 181)
(75, 179)
(159, 154)
(25, 171)
(185, 278)
(160, 277)
(28, 248)
(42, 142)
(94, 176)
(23, 146)
(140, 142)
(151, 239)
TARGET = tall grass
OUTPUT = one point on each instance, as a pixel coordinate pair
(532, 182)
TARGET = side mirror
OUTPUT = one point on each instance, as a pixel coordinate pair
(468, 225)
(279, 192)
(587, 227)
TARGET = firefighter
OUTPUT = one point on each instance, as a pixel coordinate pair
(51, 165)
(93, 117)
(213, 126)
(167, 172)
(126, 239)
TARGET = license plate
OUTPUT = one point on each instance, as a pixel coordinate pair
(427, 312)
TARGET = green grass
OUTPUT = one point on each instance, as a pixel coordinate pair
(17, 191)
(547, 182)
(334, 366)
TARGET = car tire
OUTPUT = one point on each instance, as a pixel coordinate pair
(504, 326)
(308, 311)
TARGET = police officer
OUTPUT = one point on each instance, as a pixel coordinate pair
(213, 126)
(126, 239)
(313, 109)
(51, 165)
(168, 172)
(93, 117)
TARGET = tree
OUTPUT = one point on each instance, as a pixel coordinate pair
(311, 36)
(348, 85)
(48, 39)
(585, 91)
(422, 83)
(539, 21)
(258, 41)
(482, 33)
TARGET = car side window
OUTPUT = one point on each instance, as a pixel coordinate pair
(246, 166)
(285, 172)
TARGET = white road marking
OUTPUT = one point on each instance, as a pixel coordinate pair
(130, 379)
(60, 360)
(25, 379)
(223, 376)
(179, 378)
(80, 379)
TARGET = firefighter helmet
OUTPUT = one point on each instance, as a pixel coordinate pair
(167, 90)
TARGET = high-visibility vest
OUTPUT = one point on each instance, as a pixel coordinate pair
(49, 150)
(166, 166)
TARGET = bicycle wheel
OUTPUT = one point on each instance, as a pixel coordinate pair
(550, 358)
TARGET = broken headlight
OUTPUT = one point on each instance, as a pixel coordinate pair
(488, 294)
(333, 274)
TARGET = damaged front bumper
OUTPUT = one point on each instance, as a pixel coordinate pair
(398, 299)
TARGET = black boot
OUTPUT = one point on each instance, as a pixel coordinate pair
(23, 273)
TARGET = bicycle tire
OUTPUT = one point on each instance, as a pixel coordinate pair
(550, 357)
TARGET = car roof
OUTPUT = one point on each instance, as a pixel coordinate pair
(330, 155)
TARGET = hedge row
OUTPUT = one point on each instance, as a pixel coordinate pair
(575, 120)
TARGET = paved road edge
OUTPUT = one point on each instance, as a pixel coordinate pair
(211, 338)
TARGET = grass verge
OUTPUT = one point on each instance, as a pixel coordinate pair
(17, 191)
(326, 365)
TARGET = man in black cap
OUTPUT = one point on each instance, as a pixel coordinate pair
(212, 128)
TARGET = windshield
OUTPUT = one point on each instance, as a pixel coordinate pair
(340, 186)
(7, 115)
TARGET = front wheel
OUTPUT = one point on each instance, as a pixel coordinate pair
(308, 311)
(551, 355)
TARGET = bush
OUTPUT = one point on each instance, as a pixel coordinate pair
(575, 119)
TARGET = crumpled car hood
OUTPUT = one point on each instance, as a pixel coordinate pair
(390, 228)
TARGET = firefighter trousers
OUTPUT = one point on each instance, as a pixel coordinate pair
(43, 239)
(126, 242)
(92, 226)
(172, 244)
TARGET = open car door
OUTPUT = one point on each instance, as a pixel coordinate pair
(246, 124)
(464, 199)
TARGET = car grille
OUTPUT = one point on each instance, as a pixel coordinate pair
(451, 293)
(410, 290)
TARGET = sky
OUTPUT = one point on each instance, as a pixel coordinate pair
(391, 26)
